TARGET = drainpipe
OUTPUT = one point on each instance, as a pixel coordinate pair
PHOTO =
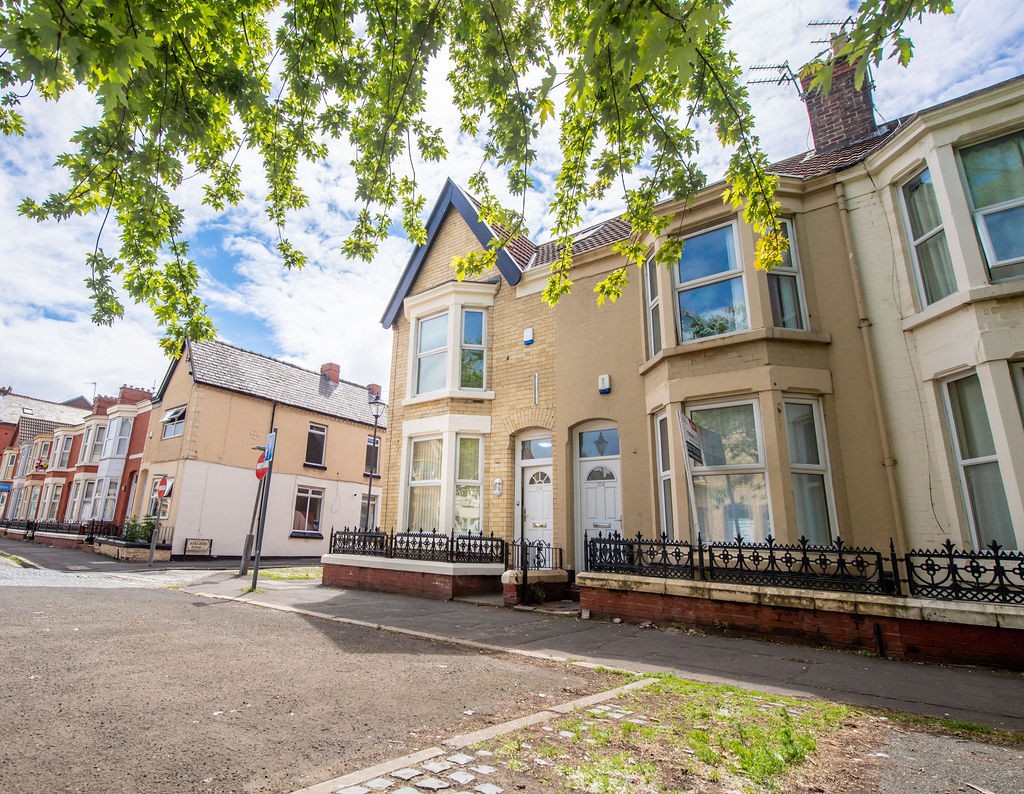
(888, 461)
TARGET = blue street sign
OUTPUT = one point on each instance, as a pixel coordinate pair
(271, 441)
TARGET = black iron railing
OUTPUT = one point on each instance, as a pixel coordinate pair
(88, 530)
(991, 575)
(661, 557)
(839, 567)
(540, 555)
(420, 545)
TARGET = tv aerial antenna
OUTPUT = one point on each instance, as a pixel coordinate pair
(783, 74)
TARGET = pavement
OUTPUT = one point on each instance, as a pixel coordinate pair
(987, 697)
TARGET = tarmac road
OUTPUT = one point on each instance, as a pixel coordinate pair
(133, 689)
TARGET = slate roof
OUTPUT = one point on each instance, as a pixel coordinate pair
(242, 371)
(12, 409)
(810, 164)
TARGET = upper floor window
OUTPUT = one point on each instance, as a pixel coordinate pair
(371, 466)
(994, 172)
(24, 458)
(98, 438)
(653, 309)
(173, 422)
(8, 470)
(471, 367)
(432, 353)
(316, 444)
(932, 264)
(43, 456)
(62, 452)
(785, 287)
(83, 452)
(709, 286)
(118, 433)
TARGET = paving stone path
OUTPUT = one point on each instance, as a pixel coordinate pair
(12, 575)
(451, 774)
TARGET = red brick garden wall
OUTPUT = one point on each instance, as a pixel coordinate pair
(897, 638)
(409, 582)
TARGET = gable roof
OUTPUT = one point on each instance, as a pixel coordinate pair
(233, 369)
(511, 258)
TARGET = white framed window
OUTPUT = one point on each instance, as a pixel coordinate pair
(448, 341)
(371, 466)
(308, 507)
(110, 499)
(809, 471)
(730, 489)
(472, 366)
(469, 484)
(653, 299)
(62, 452)
(981, 480)
(160, 508)
(710, 292)
(1017, 373)
(88, 496)
(431, 353)
(54, 504)
(424, 503)
(119, 432)
(933, 268)
(316, 444)
(173, 422)
(42, 456)
(98, 437)
(994, 174)
(368, 511)
(44, 500)
(664, 467)
(3, 503)
(786, 288)
(7, 472)
(24, 460)
(71, 509)
(83, 451)
(33, 503)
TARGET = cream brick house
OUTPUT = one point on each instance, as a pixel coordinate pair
(809, 391)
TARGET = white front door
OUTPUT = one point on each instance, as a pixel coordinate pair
(537, 505)
(601, 492)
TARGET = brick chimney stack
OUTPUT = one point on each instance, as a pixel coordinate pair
(845, 115)
(330, 371)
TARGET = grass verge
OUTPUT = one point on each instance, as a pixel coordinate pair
(292, 574)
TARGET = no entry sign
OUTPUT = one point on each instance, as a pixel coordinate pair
(261, 466)
(161, 488)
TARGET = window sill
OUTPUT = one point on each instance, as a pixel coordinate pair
(318, 466)
(957, 300)
(448, 394)
(307, 535)
(738, 338)
(375, 475)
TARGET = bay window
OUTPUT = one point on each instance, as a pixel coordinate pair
(933, 267)
(710, 294)
(62, 452)
(88, 494)
(425, 485)
(666, 524)
(118, 433)
(994, 173)
(54, 501)
(653, 300)
(443, 482)
(730, 488)
(448, 341)
(109, 499)
(468, 485)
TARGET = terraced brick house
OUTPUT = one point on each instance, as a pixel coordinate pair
(868, 389)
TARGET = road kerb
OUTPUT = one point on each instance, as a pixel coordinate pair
(372, 772)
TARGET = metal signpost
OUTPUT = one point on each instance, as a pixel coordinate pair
(261, 472)
(268, 457)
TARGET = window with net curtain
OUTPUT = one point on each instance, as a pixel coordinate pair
(933, 268)
(980, 475)
(994, 172)
(425, 484)
(808, 471)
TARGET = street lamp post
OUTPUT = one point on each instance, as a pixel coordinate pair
(377, 409)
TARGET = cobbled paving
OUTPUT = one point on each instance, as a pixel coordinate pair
(16, 576)
(454, 774)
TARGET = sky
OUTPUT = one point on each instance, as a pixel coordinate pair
(331, 310)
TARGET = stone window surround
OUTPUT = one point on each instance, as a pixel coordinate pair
(447, 427)
(451, 297)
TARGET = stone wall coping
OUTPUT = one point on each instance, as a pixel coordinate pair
(414, 566)
(512, 576)
(978, 614)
